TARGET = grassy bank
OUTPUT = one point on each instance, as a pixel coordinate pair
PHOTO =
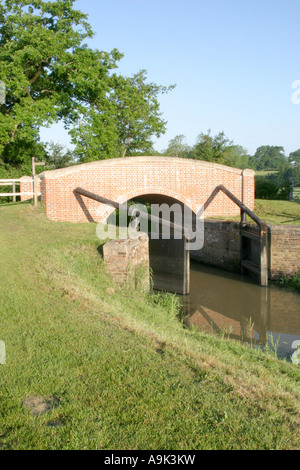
(274, 212)
(126, 373)
(278, 212)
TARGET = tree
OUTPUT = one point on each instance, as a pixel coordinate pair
(237, 157)
(57, 156)
(294, 157)
(211, 149)
(177, 147)
(125, 123)
(268, 157)
(49, 72)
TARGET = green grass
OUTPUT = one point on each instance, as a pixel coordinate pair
(291, 283)
(128, 375)
(273, 212)
(278, 212)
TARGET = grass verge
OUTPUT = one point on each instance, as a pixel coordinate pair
(273, 212)
(126, 373)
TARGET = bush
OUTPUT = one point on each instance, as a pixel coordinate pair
(272, 187)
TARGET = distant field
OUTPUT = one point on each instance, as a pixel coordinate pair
(266, 172)
(297, 193)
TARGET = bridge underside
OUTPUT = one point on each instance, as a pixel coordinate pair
(168, 256)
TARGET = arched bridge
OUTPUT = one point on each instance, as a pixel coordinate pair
(159, 179)
(91, 192)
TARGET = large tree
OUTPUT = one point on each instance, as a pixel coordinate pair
(211, 148)
(237, 156)
(123, 121)
(294, 157)
(178, 147)
(268, 157)
(48, 71)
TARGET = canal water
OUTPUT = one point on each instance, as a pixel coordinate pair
(235, 306)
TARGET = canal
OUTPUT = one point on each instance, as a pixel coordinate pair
(235, 306)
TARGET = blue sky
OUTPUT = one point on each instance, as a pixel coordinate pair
(233, 61)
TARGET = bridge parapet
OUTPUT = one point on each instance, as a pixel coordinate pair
(191, 182)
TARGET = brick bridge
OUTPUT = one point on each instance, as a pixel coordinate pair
(155, 179)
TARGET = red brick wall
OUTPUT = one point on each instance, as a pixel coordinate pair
(26, 186)
(190, 181)
(284, 251)
(127, 261)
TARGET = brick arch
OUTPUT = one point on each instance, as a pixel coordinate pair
(191, 182)
(104, 211)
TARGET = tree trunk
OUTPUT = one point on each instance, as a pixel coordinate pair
(126, 147)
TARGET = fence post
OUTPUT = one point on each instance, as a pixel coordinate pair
(35, 179)
(14, 192)
(34, 182)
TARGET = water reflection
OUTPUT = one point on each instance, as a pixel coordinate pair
(236, 306)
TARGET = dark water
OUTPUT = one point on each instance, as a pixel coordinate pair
(237, 307)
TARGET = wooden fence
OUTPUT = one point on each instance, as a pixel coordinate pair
(14, 194)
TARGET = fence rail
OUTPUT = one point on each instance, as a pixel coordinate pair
(8, 180)
(13, 183)
(14, 194)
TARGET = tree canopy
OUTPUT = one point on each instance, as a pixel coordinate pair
(294, 157)
(268, 157)
(51, 75)
(124, 122)
(211, 148)
(216, 149)
(178, 147)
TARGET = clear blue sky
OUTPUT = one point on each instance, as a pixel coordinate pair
(233, 61)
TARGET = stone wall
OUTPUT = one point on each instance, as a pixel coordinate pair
(221, 245)
(284, 250)
(127, 261)
(222, 248)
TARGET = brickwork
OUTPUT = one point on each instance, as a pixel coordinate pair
(222, 245)
(127, 261)
(284, 251)
(222, 248)
(26, 186)
(191, 182)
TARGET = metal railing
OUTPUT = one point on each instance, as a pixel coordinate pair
(262, 268)
(244, 209)
(132, 212)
